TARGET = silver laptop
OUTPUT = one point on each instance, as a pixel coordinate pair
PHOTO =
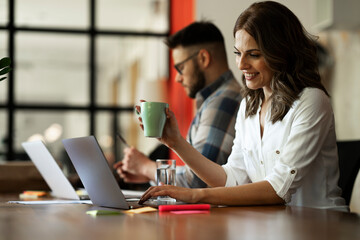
(50, 170)
(95, 173)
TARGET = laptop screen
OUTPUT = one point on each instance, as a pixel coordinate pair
(50, 170)
(95, 172)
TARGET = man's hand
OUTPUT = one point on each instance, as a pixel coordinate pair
(128, 177)
(135, 166)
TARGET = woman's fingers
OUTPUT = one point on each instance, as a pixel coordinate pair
(137, 109)
(154, 192)
(146, 195)
(141, 124)
(166, 190)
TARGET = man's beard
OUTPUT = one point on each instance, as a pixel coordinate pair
(199, 82)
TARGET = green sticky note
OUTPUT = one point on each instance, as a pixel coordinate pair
(102, 212)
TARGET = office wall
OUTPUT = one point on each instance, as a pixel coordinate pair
(343, 45)
(344, 81)
(181, 14)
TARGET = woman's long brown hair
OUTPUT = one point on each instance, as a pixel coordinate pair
(289, 51)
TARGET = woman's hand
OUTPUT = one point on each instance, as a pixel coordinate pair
(171, 132)
(179, 193)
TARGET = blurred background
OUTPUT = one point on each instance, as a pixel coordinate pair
(81, 66)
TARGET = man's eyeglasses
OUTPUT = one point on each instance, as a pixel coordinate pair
(178, 66)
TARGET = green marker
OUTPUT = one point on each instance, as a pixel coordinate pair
(102, 212)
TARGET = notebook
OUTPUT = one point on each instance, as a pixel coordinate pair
(50, 170)
(96, 174)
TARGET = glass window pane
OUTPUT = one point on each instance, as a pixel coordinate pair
(128, 126)
(52, 68)
(134, 15)
(3, 43)
(51, 127)
(3, 134)
(105, 134)
(45, 13)
(4, 13)
(131, 68)
(3, 53)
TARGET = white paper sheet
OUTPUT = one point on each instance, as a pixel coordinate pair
(52, 202)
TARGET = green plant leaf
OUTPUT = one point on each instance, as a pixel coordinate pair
(5, 62)
(5, 70)
(2, 78)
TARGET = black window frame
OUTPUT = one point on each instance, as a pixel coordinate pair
(11, 106)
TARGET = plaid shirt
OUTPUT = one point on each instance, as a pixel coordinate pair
(212, 131)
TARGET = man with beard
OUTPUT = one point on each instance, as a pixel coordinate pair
(198, 51)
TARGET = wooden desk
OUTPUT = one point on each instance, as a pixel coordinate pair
(69, 221)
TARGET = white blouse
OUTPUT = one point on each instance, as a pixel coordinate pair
(297, 156)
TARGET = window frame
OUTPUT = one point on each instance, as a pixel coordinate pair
(93, 108)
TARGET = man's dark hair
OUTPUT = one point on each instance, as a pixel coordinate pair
(195, 33)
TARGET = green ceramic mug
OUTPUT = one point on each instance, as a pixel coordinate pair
(153, 118)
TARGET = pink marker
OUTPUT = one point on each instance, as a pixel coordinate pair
(167, 208)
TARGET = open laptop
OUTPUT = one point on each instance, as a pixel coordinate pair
(50, 171)
(96, 174)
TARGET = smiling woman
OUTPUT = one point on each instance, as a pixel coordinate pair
(284, 151)
(252, 63)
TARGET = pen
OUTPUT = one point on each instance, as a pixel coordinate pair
(122, 140)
